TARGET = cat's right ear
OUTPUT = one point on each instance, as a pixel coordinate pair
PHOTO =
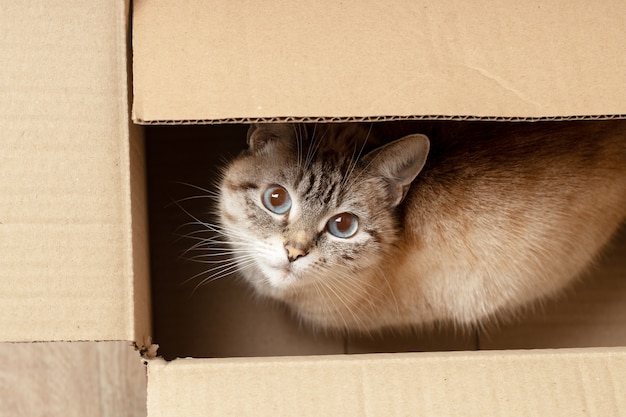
(398, 163)
(262, 134)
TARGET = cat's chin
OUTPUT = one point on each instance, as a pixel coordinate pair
(280, 277)
(276, 279)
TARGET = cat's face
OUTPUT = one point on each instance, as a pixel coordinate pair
(304, 212)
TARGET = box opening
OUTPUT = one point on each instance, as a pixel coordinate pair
(224, 319)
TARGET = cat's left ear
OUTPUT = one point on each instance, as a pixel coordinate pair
(398, 163)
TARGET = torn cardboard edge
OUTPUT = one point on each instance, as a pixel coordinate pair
(147, 350)
(360, 358)
(332, 119)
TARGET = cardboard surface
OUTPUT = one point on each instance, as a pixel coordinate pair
(71, 379)
(508, 384)
(395, 58)
(73, 253)
(67, 267)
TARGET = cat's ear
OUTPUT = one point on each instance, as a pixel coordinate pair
(262, 134)
(398, 163)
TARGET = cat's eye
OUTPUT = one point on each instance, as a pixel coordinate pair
(276, 199)
(344, 225)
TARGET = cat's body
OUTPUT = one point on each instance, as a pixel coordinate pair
(499, 215)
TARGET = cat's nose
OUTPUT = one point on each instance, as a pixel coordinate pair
(294, 253)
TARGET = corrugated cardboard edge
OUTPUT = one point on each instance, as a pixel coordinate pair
(329, 119)
(136, 180)
(572, 382)
(132, 171)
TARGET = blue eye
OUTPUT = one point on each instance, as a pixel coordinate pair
(276, 199)
(344, 225)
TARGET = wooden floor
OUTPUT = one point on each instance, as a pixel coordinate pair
(94, 379)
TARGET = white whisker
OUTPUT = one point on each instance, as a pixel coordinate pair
(223, 274)
(197, 187)
(355, 158)
(231, 265)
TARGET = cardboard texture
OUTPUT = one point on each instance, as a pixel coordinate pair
(507, 384)
(68, 270)
(399, 58)
(71, 379)
(335, 61)
(73, 216)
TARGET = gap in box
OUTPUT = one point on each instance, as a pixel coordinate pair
(224, 319)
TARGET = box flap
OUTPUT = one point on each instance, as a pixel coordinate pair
(218, 61)
(588, 382)
(66, 265)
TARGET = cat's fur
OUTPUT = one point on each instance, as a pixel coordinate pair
(499, 216)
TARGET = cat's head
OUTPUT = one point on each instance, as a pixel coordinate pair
(308, 205)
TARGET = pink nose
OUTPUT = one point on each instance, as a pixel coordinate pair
(294, 253)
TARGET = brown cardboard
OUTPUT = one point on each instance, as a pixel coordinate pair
(508, 383)
(70, 177)
(71, 379)
(400, 58)
(332, 61)
(73, 253)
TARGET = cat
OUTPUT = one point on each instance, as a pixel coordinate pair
(360, 227)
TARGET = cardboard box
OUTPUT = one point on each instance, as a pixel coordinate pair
(73, 216)
(73, 243)
(73, 233)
